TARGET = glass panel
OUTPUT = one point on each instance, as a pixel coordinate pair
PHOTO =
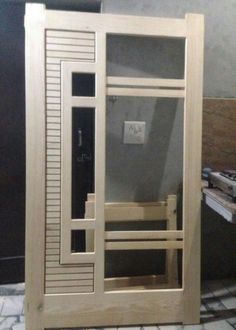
(82, 241)
(143, 173)
(145, 57)
(82, 159)
(83, 84)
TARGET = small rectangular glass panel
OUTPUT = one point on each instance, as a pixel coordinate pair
(83, 84)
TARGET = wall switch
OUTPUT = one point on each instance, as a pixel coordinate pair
(134, 132)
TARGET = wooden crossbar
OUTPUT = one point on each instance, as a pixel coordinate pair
(160, 245)
(145, 82)
(147, 235)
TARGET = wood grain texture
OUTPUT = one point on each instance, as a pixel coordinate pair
(219, 134)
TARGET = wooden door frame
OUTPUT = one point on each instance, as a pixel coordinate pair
(99, 308)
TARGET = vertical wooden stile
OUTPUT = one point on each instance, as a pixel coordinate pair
(35, 166)
(192, 167)
(100, 134)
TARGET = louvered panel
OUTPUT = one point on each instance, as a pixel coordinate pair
(75, 46)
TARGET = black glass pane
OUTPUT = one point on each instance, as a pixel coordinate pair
(83, 84)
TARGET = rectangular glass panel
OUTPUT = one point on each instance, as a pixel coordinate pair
(150, 57)
(144, 173)
(82, 159)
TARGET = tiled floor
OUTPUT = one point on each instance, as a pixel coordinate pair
(218, 309)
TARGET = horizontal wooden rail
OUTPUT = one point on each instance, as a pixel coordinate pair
(147, 235)
(147, 92)
(145, 82)
(77, 224)
(160, 245)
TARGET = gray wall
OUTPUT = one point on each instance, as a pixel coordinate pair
(220, 41)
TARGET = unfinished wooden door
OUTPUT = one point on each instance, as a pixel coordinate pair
(66, 286)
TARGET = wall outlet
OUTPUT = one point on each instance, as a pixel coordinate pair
(134, 132)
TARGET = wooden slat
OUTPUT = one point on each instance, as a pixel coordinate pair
(70, 283)
(87, 102)
(53, 107)
(147, 235)
(53, 100)
(70, 34)
(58, 277)
(82, 224)
(71, 270)
(70, 55)
(54, 67)
(139, 92)
(53, 87)
(74, 289)
(53, 73)
(70, 41)
(57, 60)
(70, 48)
(53, 80)
(54, 145)
(148, 82)
(144, 245)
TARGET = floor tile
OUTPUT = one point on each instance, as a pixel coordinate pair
(19, 326)
(12, 305)
(7, 322)
(218, 325)
(171, 327)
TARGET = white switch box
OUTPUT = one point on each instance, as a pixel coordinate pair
(134, 132)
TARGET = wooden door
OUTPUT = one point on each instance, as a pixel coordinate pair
(67, 287)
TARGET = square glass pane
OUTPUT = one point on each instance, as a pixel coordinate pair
(83, 84)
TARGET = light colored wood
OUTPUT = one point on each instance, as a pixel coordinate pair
(70, 55)
(145, 92)
(70, 34)
(57, 277)
(100, 144)
(146, 234)
(146, 245)
(67, 289)
(35, 165)
(88, 305)
(70, 48)
(128, 307)
(85, 102)
(171, 255)
(71, 283)
(83, 224)
(192, 167)
(66, 222)
(70, 41)
(117, 24)
(147, 82)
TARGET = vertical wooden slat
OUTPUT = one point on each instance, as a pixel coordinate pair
(100, 130)
(192, 167)
(171, 255)
(35, 165)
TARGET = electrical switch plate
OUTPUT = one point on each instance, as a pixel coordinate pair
(134, 132)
